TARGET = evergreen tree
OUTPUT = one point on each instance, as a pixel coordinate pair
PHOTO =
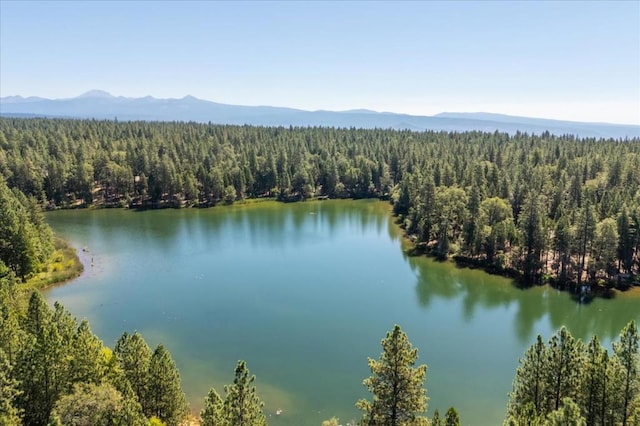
(452, 418)
(605, 244)
(625, 241)
(11, 334)
(42, 364)
(593, 381)
(134, 356)
(626, 353)
(9, 414)
(212, 413)
(563, 363)
(87, 352)
(562, 245)
(436, 419)
(529, 383)
(530, 224)
(26, 241)
(397, 386)
(166, 400)
(242, 407)
(584, 235)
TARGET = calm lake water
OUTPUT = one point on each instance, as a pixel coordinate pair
(304, 293)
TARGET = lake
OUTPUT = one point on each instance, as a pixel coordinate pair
(304, 292)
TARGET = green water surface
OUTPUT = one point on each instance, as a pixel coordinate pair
(304, 293)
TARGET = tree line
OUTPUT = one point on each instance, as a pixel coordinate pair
(541, 208)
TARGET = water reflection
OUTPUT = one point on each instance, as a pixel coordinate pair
(480, 292)
(274, 226)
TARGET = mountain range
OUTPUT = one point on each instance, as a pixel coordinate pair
(102, 105)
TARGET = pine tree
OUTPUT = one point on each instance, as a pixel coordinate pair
(529, 382)
(166, 400)
(11, 334)
(42, 364)
(625, 241)
(593, 381)
(436, 419)
(452, 418)
(212, 413)
(611, 402)
(564, 359)
(134, 356)
(242, 407)
(627, 354)
(562, 245)
(584, 235)
(9, 414)
(530, 224)
(87, 350)
(397, 386)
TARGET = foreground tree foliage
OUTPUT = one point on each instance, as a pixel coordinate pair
(538, 207)
(56, 371)
(91, 405)
(568, 383)
(399, 396)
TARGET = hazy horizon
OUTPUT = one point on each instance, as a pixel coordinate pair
(571, 61)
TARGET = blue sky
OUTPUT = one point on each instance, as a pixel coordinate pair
(566, 60)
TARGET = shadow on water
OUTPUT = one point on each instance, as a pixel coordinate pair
(478, 291)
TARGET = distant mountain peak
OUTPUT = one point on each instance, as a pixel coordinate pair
(96, 94)
(98, 104)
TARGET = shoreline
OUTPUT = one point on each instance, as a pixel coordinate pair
(64, 266)
(408, 246)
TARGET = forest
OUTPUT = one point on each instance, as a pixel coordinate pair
(55, 371)
(539, 208)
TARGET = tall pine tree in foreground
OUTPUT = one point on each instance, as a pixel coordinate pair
(134, 356)
(626, 353)
(452, 418)
(166, 398)
(241, 406)
(212, 413)
(526, 398)
(399, 396)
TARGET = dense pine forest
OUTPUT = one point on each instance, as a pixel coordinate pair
(540, 208)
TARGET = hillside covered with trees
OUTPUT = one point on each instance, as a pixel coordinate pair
(540, 208)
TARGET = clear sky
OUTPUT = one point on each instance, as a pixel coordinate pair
(566, 60)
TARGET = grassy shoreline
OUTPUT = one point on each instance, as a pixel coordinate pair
(63, 266)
